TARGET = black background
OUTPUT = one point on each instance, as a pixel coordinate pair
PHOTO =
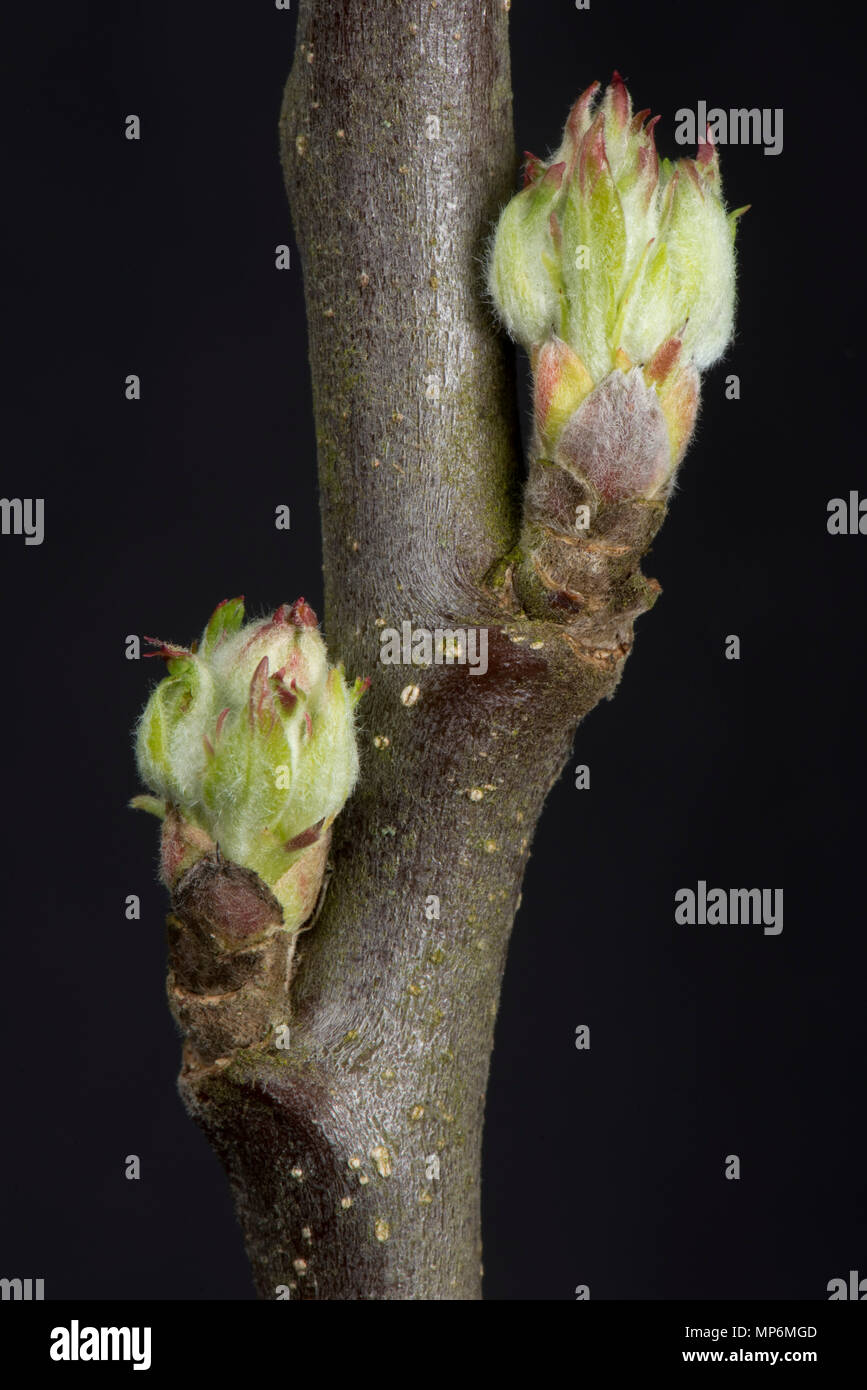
(603, 1167)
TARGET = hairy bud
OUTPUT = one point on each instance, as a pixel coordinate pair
(249, 747)
(612, 261)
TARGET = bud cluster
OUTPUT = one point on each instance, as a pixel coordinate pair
(249, 746)
(615, 269)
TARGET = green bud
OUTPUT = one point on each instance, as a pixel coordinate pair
(171, 754)
(613, 260)
(249, 744)
(523, 278)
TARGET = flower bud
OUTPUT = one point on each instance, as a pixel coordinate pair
(613, 260)
(522, 271)
(249, 744)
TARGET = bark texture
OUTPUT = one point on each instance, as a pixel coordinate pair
(354, 1151)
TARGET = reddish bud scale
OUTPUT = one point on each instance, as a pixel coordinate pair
(689, 166)
(166, 650)
(286, 692)
(648, 156)
(307, 837)
(260, 708)
(662, 361)
(553, 176)
(619, 99)
(549, 374)
(575, 125)
(223, 602)
(302, 615)
(594, 160)
(617, 439)
(533, 168)
(298, 614)
(181, 844)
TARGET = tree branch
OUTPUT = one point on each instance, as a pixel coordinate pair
(354, 1155)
